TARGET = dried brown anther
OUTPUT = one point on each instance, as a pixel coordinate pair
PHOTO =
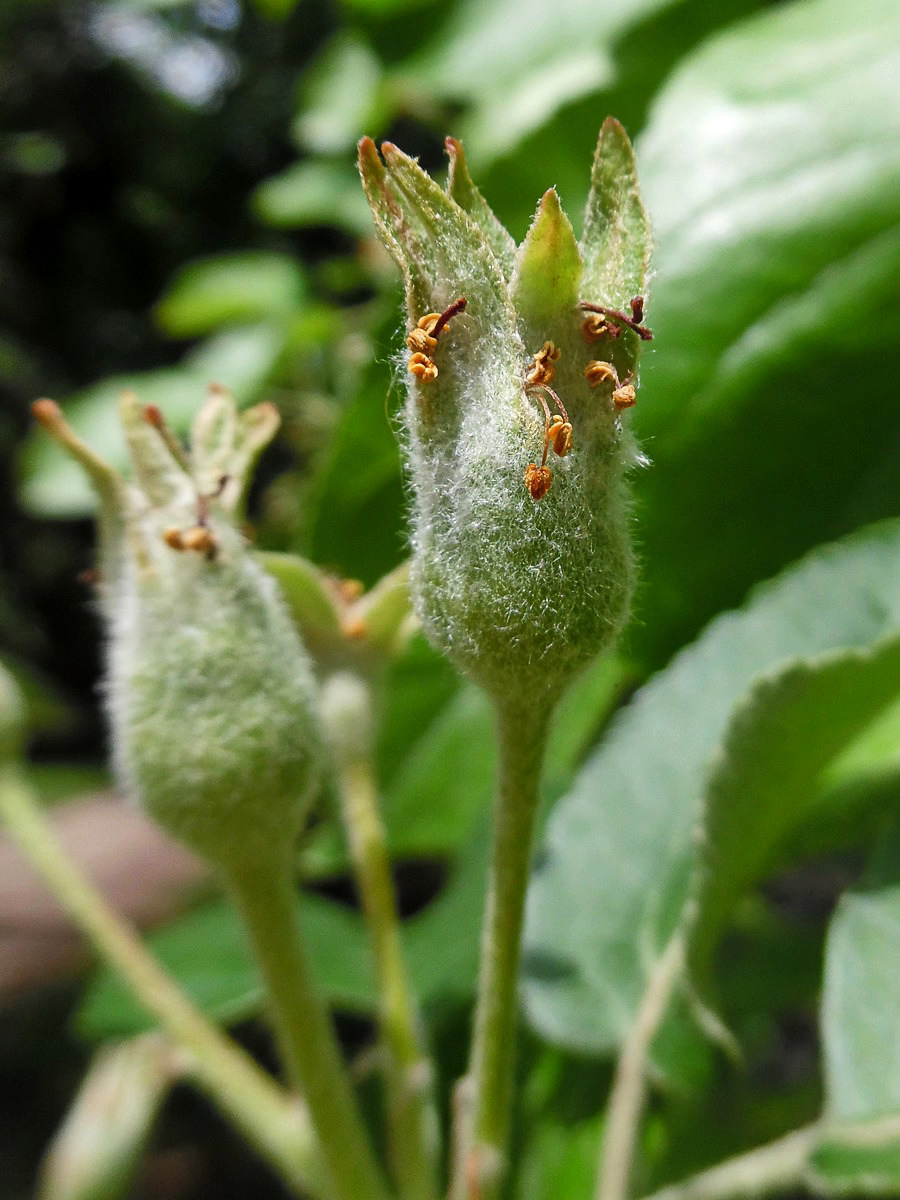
(624, 397)
(594, 328)
(597, 372)
(633, 322)
(444, 319)
(543, 370)
(538, 480)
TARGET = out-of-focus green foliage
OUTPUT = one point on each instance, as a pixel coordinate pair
(181, 207)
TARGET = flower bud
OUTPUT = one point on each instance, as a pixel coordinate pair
(209, 689)
(523, 567)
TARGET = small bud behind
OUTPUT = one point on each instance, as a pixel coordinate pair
(209, 690)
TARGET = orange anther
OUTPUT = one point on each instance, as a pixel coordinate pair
(559, 435)
(423, 367)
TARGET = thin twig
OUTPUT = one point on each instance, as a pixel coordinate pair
(275, 1123)
(777, 1167)
(626, 1100)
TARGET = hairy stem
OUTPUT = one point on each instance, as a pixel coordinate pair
(276, 1124)
(486, 1093)
(626, 1102)
(776, 1167)
(267, 900)
(411, 1107)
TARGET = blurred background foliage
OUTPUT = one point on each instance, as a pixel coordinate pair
(179, 204)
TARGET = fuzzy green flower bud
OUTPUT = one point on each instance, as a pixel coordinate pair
(521, 363)
(209, 690)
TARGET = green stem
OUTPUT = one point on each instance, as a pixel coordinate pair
(411, 1105)
(626, 1102)
(267, 900)
(484, 1101)
(779, 1166)
(276, 1124)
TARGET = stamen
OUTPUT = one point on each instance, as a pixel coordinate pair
(423, 367)
(543, 370)
(560, 434)
(556, 400)
(538, 480)
(451, 311)
(557, 430)
(624, 397)
(420, 341)
(200, 539)
(594, 328)
(423, 339)
(597, 372)
(632, 322)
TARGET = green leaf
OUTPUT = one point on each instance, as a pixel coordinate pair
(13, 719)
(314, 193)
(229, 289)
(773, 182)
(341, 97)
(617, 859)
(766, 779)
(276, 10)
(862, 1160)
(859, 1152)
(548, 59)
(860, 1029)
(241, 359)
(617, 241)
